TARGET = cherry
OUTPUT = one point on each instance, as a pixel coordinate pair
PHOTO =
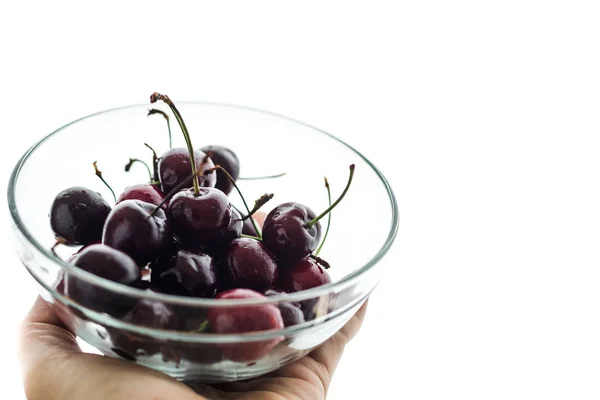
(186, 273)
(292, 231)
(286, 234)
(227, 159)
(243, 319)
(248, 228)
(203, 219)
(77, 215)
(152, 314)
(290, 312)
(304, 274)
(147, 313)
(251, 265)
(144, 192)
(71, 258)
(107, 263)
(174, 168)
(138, 229)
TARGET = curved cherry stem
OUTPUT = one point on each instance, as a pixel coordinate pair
(154, 163)
(328, 218)
(310, 224)
(99, 175)
(134, 160)
(153, 99)
(250, 237)
(204, 327)
(208, 171)
(59, 241)
(259, 178)
(241, 213)
(164, 114)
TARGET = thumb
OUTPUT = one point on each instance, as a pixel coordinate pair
(54, 368)
(44, 339)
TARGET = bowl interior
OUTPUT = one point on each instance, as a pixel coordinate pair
(363, 225)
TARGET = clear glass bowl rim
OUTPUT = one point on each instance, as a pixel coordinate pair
(345, 282)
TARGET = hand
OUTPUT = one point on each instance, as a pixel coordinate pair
(55, 368)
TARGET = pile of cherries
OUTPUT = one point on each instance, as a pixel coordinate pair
(179, 234)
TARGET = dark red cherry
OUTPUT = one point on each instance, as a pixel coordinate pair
(303, 275)
(77, 215)
(227, 159)
(251, 265)
(144, 192)
(286, 234)
(152, 314)
(244, 319)
(187, 273)
(205, 219)
(138, 229)
(147, 313)
(291, 313)
(248, 228)
(72, 257)
(107, 263)
(174, 168)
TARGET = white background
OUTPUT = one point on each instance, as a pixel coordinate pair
(484, 115)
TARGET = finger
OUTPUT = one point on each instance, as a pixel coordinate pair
(43, 336)
(331, 351)
(54, 367)
(324, 360)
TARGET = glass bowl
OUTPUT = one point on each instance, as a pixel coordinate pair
(363, 228)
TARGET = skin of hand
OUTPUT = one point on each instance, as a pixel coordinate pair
(54, 368)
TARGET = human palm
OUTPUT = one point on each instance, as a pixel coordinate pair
(54, 368)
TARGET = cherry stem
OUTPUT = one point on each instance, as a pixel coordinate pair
(154, 163)
(320, 261)
(164, 114)
(240, 212)
(153, 99)
(134, 160)
(208, 171)
(180, 186)
(261, 201)
(328, 218)
(59, 241)
(99, 175)
(258, 178)
(310, 224)
(204, 327)
(250, 237)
